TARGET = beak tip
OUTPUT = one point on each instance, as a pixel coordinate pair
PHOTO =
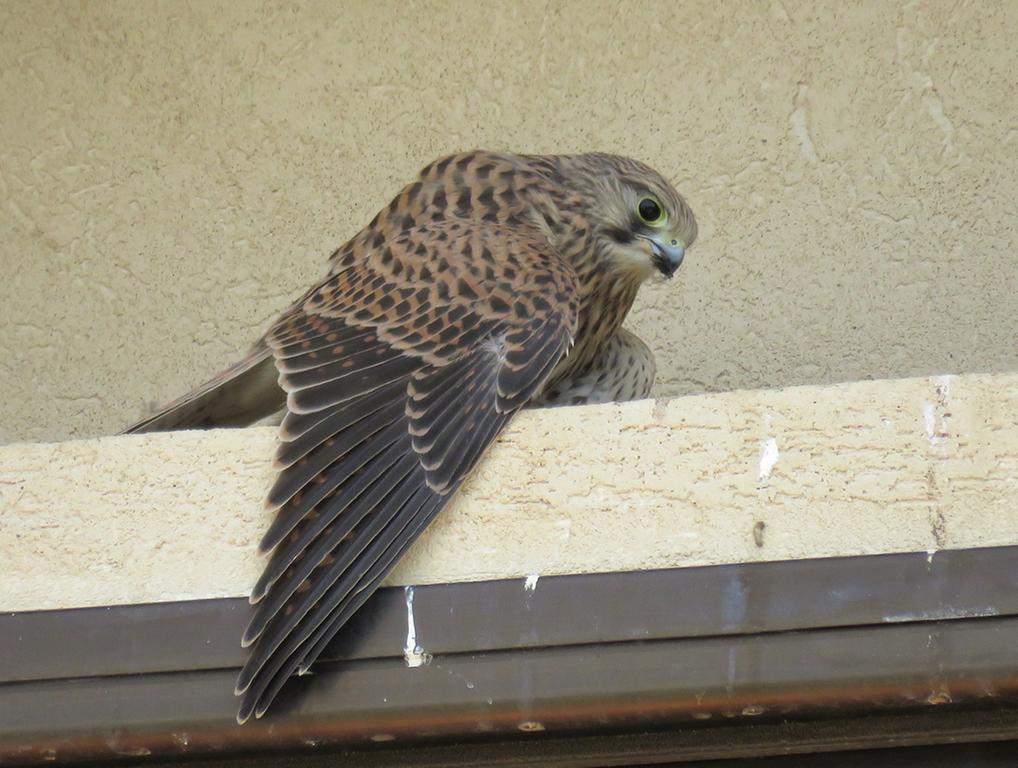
(667, 258)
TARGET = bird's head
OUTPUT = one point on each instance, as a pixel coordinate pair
(639, 222)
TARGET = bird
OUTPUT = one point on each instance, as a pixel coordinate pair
(490, 283)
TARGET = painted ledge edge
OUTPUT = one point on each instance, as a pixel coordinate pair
(840, 470)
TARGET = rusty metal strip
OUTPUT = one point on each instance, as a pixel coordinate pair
(878, 741)
(697, 683)
(555, 611)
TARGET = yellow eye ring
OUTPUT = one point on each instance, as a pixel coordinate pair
(650, 211)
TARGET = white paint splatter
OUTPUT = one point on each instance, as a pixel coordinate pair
(769, 456)
(942, 613)
(413, 653)
(930, 421)
(935, 414)
(799, 120)
(531, 583)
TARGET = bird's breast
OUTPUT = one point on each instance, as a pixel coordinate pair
(602, 311)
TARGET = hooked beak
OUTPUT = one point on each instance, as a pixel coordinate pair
(668, 254)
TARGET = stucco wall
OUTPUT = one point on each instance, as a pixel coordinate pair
(171, 175)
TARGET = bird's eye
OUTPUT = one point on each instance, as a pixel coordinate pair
(650, 211)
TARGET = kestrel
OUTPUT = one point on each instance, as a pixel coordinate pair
(491, 282)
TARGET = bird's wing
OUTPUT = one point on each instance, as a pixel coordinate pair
(399, 371)
(240, 395)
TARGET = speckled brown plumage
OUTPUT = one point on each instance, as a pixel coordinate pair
(491, 282)
(623, 370)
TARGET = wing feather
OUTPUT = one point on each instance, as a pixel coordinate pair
(464, 454)
(333, 393)
(302, 502)
(340, 569)
(310, 541)
(362, 362)
(394, 391)
(474, 388)
(300, 434)
(346, 598)
(320, 464)
(324, 348)
(369, 582)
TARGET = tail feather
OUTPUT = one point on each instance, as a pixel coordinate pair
(241, 395)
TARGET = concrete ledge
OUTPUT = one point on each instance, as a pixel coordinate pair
(884, 466)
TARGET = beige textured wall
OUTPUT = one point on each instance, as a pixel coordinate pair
(171, 175)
